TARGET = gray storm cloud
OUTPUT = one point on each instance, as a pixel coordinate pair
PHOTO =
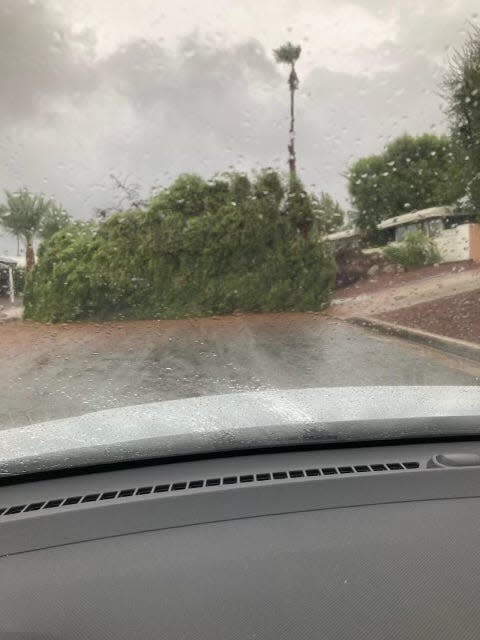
(69, 118)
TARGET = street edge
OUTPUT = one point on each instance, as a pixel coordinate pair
(9, 319)
(441, 343)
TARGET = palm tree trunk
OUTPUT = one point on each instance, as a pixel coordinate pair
(292, 81)
(29, 257)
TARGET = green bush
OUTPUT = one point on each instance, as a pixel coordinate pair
(416, 250)
(200, 248)
(19, 279)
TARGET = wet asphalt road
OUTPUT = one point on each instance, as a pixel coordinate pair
(55, 371)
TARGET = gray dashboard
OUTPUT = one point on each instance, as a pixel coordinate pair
(367, 542)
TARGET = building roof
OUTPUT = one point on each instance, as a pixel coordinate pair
(417, 216)
(343, 235)
(8, 261)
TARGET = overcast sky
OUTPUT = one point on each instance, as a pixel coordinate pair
(146, 89)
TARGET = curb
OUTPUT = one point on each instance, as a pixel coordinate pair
(8, 319)
(435, 341)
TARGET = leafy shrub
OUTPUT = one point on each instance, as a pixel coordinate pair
(200, 248)
(416, 250)
(19, 279)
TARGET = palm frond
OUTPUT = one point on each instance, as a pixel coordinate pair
(288, 53)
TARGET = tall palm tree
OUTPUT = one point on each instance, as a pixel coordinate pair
(22, 216)
(289, 54)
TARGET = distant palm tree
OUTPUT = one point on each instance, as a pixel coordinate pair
(22, 216)
(289, 54)
(54, 219)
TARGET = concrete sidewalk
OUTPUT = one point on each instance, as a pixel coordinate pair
(452, 346)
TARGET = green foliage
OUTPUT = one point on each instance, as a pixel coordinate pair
(54, 219)
(328, 213)
(22, 215)
(27, 215)
(462, 91)
(187, 196)
(268, 185)
(299, 206)
(288, 53)
(416, 250)
(412, 173)
(200, 248)
(19, 280)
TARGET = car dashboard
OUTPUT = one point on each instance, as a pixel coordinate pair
(354, 542)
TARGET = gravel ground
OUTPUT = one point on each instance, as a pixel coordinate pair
(55, 371)
(456, 316)
(387, 299)
(386, 281)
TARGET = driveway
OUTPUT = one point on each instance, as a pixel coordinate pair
(54, 371)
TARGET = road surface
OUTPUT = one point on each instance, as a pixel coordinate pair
(55, 371)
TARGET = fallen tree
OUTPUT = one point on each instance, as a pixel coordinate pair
(199, 248)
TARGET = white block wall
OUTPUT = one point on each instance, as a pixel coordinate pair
(454, 244)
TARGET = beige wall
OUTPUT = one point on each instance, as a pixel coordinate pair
(454, 244)
(474, 241)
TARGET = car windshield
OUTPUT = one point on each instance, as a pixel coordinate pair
(211, 199)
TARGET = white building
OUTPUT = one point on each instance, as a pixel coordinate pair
(455, 235)
(342, 239)
(7, 265)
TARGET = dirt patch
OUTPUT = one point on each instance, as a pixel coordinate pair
(386, 280)
(26, 338)
(456, 316)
